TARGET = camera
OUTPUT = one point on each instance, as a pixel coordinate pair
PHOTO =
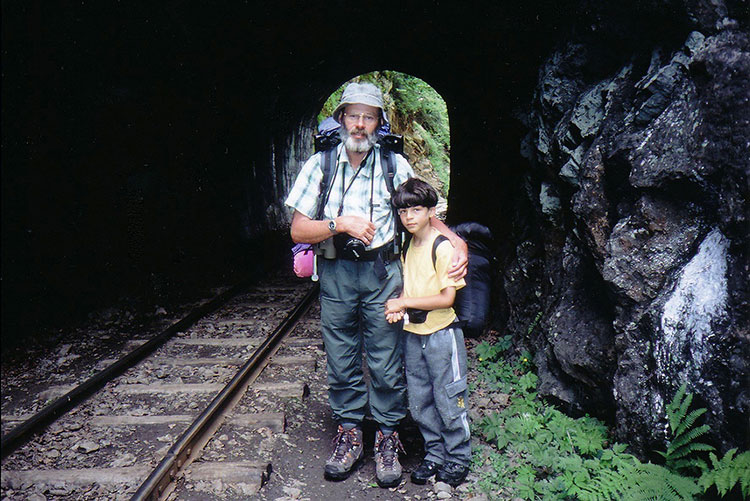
(348, 247)
(326, 248)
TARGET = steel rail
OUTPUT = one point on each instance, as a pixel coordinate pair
(23, 432)
(187, 448)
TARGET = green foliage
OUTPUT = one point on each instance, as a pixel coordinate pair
(726, 472)
(487, 352)
(640, 482)
(534, 323)
(549, 455)
(680, 454)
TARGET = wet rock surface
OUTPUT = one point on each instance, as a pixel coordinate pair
(638, 267)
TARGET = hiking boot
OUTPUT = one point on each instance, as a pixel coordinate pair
(387, 467)
(452, 474)
(426, 470)
(347, 453)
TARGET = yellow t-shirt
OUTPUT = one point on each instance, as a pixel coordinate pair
(421, 279)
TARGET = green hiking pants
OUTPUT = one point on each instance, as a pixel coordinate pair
(352, 317)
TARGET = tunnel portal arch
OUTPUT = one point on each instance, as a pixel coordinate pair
(417, 111)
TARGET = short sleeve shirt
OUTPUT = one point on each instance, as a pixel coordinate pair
(368, 185)
(422, 279)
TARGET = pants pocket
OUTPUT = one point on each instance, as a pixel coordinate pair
(457, 394)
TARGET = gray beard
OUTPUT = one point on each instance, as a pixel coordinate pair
(358, 145)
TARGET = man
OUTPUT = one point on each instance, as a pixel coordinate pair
(355, 285)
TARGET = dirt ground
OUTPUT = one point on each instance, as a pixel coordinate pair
(301, 454)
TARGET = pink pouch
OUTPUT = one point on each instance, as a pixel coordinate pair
(304, 260)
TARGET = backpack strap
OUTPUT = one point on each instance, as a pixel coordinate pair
(328, 157)
(435, 244)
(388, 164)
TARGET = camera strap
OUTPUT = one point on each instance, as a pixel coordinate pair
(351, 182)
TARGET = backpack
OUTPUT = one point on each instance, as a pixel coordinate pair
(472, 304)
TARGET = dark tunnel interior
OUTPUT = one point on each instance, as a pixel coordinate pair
(140, 144)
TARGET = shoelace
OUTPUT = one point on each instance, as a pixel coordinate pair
(343, 440)
(391, 444)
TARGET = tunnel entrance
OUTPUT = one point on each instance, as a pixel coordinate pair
(417, 111)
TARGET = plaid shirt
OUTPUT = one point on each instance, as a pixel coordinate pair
(304, 194)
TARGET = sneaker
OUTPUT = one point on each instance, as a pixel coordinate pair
(387, 468)
(452, 474)
(347, 453)
(426, 470)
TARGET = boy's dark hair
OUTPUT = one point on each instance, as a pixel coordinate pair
(413, 192)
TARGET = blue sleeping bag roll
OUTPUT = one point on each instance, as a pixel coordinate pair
(473, 301)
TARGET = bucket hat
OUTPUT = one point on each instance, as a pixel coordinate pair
(359, 93)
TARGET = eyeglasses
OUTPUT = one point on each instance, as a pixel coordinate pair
(354, 118)
(416, 210)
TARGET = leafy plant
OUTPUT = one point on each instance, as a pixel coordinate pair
(726, 472)
(680, 454)
(549, 455)
(640, 482)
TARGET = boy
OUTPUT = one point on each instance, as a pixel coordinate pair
(434, 351)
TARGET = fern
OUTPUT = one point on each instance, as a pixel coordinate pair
(680, 456)
(651, 481)
(726, 472)
(639, 482)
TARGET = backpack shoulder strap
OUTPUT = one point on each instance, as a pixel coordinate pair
(328, 158)
(407, 241)
(435, 243)
(388, 164)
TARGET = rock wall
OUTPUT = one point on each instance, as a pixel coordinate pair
(634, 279)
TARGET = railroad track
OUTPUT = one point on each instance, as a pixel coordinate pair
(194, 417)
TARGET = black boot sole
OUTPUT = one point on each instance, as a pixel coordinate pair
(418, 480)
(452, 482)
(421, 480)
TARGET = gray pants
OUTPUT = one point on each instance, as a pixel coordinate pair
(352, 316)
(438, 393)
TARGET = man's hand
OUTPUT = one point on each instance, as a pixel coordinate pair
(460, 260)
(392, 318)
(356, 226)
(394, 310)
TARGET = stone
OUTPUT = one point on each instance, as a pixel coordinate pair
(442, 487)
(549, 199)
(569, 172)
(645, 172)
(669, 148)
(292, 492)
(86, 446)
(644, 248)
